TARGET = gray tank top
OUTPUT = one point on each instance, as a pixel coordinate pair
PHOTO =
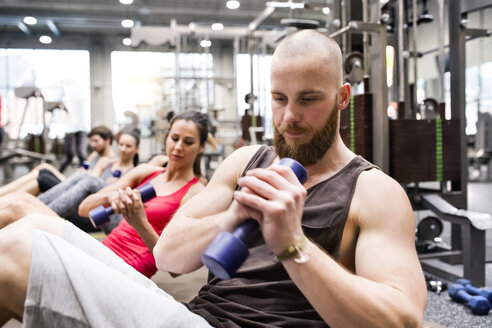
(262, 294)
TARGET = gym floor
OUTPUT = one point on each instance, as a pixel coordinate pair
(441, 310)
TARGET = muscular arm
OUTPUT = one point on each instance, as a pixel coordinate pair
(131, 179)
(387, 288)
(197, 222)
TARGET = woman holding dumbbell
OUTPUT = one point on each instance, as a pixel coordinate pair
(134, 238)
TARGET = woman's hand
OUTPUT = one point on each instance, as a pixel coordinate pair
(128, 203)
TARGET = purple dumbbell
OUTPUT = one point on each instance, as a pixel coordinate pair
(100, 215)
(485, 292)
(85, 165)
(228, 251)
(479, 304)
(117, 173)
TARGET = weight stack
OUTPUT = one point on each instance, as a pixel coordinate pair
(356, 125)
(424, 150)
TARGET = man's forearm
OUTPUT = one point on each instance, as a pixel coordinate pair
(184, 240)
(344, 299)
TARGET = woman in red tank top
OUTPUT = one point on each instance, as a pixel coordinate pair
(135, 237)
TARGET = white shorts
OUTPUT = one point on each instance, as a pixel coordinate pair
(75, 281)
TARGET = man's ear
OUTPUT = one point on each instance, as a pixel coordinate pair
(343, 96)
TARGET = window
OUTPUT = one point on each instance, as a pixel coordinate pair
(59, 75)
(151, 84)
(261, 87)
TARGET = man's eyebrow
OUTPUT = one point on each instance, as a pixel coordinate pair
(302, 92)
(309, 91)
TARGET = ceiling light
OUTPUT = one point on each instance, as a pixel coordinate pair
(232, 4)
(192, 26)
(128, 23)
(45, 39)
(326, 10)
(217, 26)
(291, 5)
(126, 2)
(29, 20)
(205, 43)
(127, 41)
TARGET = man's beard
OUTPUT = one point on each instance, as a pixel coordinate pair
(311, 151)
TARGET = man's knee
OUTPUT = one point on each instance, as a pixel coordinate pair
(15, 257)
(18, 204)
(48, 223)
(13, 237)
(15, 242)
(45, 166)
(14, 206)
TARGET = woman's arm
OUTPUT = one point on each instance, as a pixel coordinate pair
(103, 197)
(129, 204)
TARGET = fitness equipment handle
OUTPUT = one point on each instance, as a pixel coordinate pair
(100, 215)
(228, 251)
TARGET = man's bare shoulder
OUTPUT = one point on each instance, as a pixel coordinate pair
(234, 164)
(376, 182)
(247, 151)
(377, 195)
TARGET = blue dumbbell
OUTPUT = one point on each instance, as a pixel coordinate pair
(117, 173)
(100, 215)
(485, 292)
(85, 165)
(228, 251)
(479, 304)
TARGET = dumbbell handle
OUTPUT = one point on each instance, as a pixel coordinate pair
(463, 295)
(468, 286)
(246, 230)
(228, 251)
(100, 215)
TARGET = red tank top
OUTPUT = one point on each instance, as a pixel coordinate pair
(126, 242)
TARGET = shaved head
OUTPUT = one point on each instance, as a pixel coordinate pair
(312, 45)
(307, 93)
